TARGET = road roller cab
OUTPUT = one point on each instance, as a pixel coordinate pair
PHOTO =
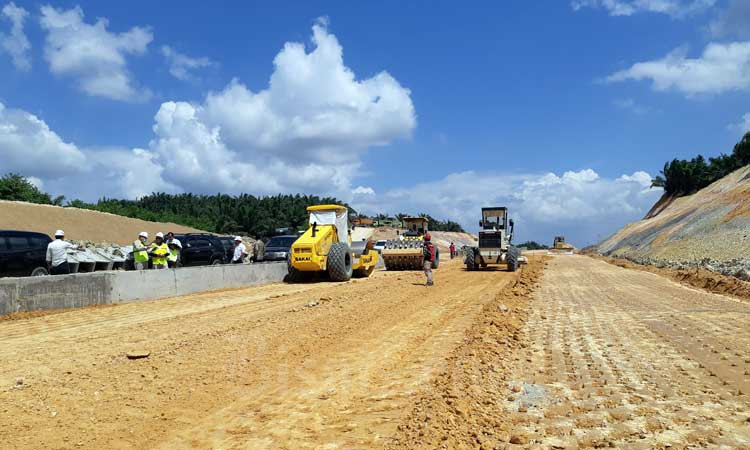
(326, 247)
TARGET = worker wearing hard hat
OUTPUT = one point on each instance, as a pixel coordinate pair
(175, 247)
(57, 254)
(428, 254)
(240, 252)
(140, 252)
(159, 251)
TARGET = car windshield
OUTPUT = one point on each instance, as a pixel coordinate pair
(281, 241)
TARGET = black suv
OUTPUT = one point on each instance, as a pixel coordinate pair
(201, 249)
(228, 243)
(23, 253)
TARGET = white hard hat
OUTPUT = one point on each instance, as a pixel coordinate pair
(143, 234)
(160, 234)
(59, 233)
(237, 238)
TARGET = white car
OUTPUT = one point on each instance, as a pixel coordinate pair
(379, 245)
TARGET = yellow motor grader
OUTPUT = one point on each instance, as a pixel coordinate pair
(326, 246)
(405, 253)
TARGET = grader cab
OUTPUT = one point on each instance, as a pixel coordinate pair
(405, 253)
(326, 247)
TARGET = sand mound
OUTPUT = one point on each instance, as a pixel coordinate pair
(79, 224)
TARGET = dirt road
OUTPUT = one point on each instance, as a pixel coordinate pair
(290, 366)
(625, 358)
(590, 355)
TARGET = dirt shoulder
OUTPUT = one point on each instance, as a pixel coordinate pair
(697, 278)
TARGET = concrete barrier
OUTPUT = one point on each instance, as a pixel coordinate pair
(103, 288)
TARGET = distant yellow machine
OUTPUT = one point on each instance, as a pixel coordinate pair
(559, 244)
(405, 253)
(326, 246)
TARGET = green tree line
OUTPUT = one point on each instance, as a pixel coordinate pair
(684, 177)
(220, 213)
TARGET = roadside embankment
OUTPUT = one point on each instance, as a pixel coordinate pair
(20, 295)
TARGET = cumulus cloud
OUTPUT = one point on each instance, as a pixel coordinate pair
(94, 56)
(306, 131)
(580, 205)
(673, 8)
(720, 68)
(28, 146)
(732, 20)
(16, 44)
(181, 66)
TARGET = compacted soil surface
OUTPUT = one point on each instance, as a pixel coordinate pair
(568, 352)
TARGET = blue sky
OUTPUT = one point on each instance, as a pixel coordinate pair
(560, 110)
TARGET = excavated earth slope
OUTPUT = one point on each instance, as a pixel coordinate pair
(713, 223)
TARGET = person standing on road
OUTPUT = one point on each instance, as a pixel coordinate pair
(240, 252)
(453, 250)
(140, 252)
(57, 254)
(428, 253)
(159, 251)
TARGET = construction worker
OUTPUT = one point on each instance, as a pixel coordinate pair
(428, 253)
(159, 251)
(57, 254)
(453, 250)
(175, 247)
(140, 252)
(240, 252)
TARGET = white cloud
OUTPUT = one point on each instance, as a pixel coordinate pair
(181, 66)
(363, 190)
(306, 132)
(94, 56)
(741, 127)
(16, 44)
(732, 21)
(673, 8)
(721, 68)
(28, 146)
(581, 205)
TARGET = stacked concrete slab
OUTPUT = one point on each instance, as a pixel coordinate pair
(103, 288)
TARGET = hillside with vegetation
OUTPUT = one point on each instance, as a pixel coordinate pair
(703, 218)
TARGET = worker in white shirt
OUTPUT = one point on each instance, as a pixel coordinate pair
(57, 254)
(240, 252)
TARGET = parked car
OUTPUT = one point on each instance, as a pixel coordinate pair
(23, 253)
(277, 248)
(379, 245)
(201, 249)
(228, 243)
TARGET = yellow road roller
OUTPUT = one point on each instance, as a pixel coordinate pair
(327, 247)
